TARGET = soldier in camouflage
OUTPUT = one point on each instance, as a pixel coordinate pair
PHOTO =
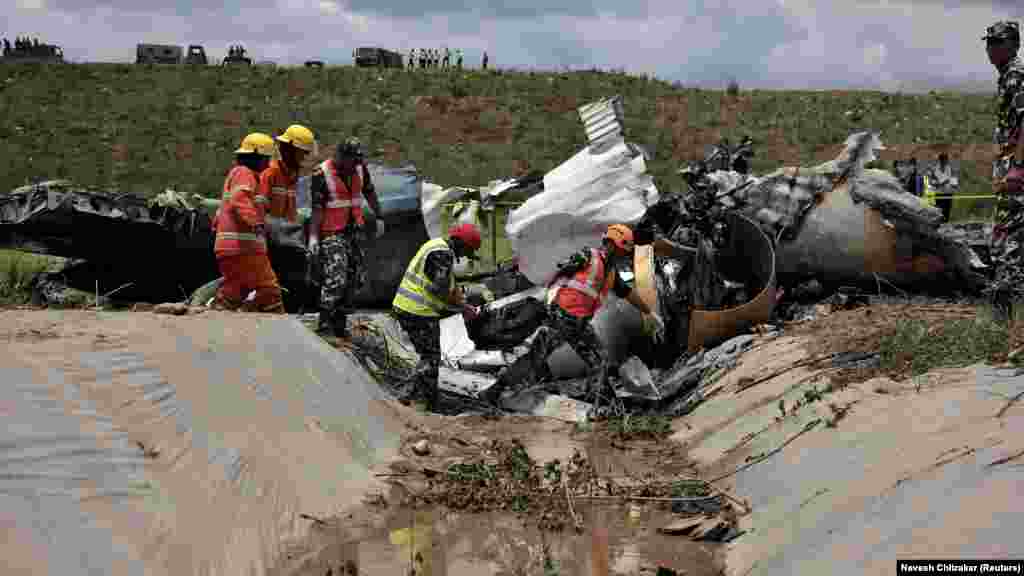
(581, 283)
(339, 255)
(427, 293)
(1007, 245)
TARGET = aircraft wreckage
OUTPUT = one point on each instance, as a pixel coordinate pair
(713, 259)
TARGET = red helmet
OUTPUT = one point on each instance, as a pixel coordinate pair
(621, 237)
(468, 233)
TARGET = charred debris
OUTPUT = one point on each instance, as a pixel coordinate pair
(729, 252)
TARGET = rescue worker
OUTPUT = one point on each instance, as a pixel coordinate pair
(427, 292)
(336, 232)
(240, 245)
(485, 61)
(278, 181)
(574, 296)
(913, 184)
(1002, 41)
(942, 176)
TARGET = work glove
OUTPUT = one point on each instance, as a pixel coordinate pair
(314, 247)
(654, 327)
(470, 313)
(1014, 182)
(380, 227)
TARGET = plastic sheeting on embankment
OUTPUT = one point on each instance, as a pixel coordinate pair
(908, 472)
(146, 444)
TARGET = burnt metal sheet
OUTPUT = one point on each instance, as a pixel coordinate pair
(845, 240)
(123, 233)
(749, 257)
(166, 252)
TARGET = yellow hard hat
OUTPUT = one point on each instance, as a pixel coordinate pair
(257, 143)
(300, 137)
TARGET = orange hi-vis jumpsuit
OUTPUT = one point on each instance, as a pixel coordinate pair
(277, 184)
(241, 248)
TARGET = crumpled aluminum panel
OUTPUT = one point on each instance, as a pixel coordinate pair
(602, 121)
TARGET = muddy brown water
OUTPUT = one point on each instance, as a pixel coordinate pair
(446, 543)
(176, 384)
(451, 543)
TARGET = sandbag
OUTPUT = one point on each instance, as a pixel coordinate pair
(505, 327)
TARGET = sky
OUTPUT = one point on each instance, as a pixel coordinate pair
(783, 44)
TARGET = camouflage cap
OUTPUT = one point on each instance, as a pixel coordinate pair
(350, 148)
(1003, 30)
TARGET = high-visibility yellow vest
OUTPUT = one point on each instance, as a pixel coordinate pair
(414, 294)
(929, 192)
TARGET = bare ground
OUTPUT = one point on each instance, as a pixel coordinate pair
(486, 489)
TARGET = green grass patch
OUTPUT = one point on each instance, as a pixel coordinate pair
(690, 489)
(921, 346)
(143, 129)
(640, 427)
(17, 269)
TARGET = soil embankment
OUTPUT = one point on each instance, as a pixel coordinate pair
(846, 478)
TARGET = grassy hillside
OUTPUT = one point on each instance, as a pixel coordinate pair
(143, 129)
(17, 269)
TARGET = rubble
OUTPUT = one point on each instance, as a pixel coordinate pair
(102, 232)
(850, 224)
(725, 264)
(700, 528)
(704, 299)
(732, 252)
(173, 308)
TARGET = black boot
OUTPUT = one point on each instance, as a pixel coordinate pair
(407, 392)
(323, 324)
(492, 395)
(339, 323)
(432, 396)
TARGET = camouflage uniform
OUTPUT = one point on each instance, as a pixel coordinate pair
(561, 327)
(1008, 236)
(425, 332)
(341, 263)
